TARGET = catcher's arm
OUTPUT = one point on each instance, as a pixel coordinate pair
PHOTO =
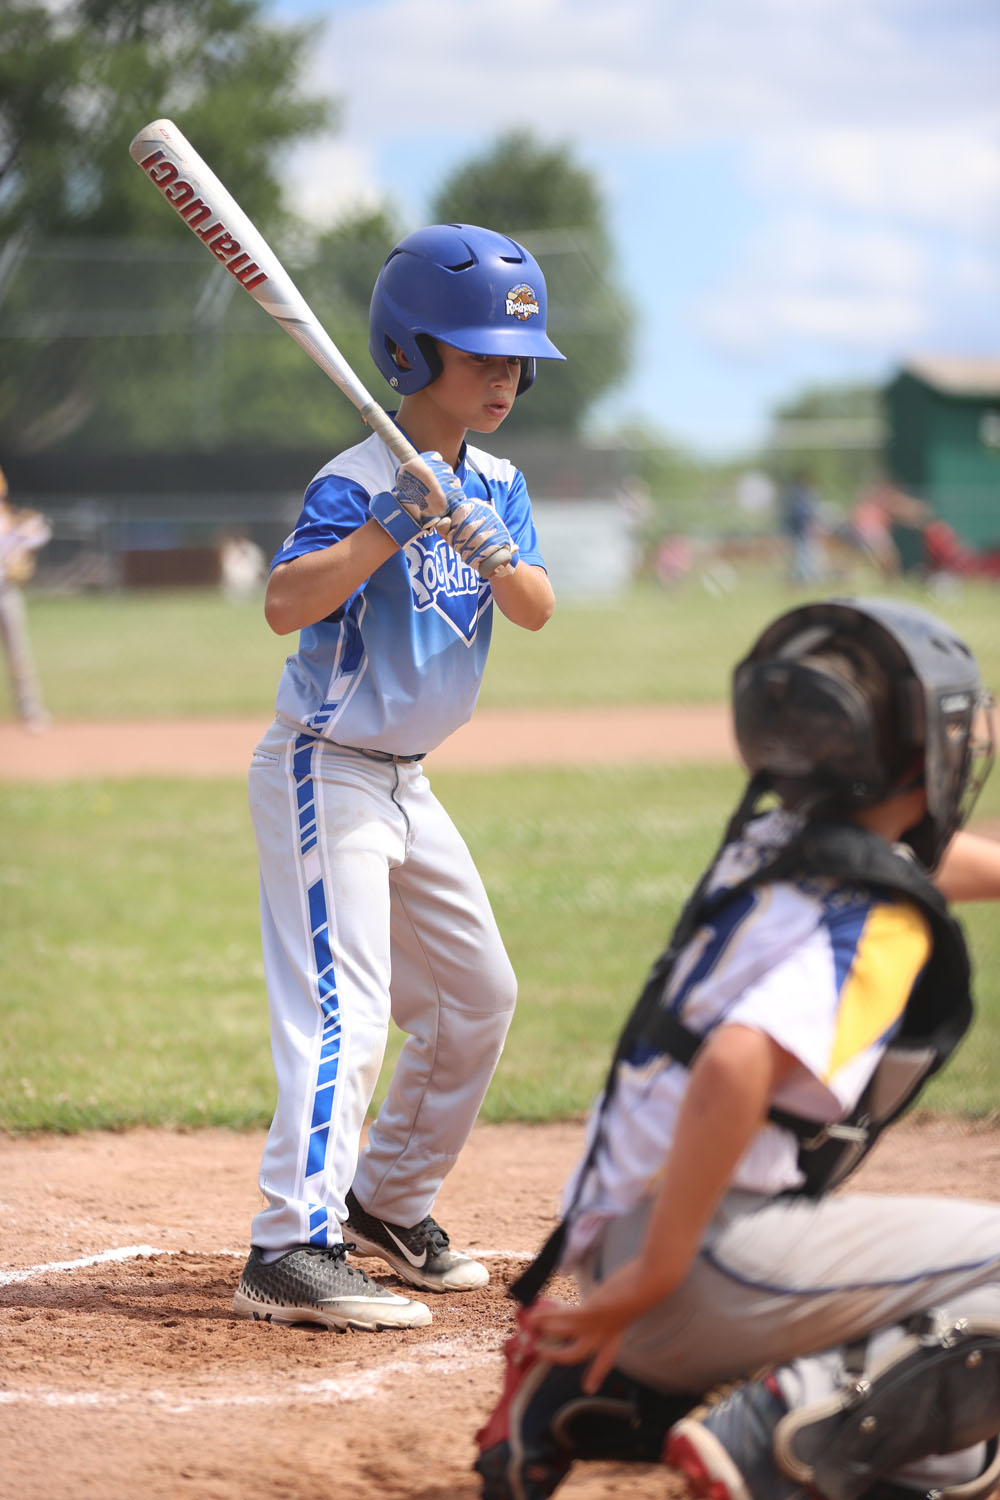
(740, 1066)
(969, 869)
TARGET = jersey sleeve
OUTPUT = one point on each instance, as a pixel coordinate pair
(836, 1001)
(516, 513)
(332, 508)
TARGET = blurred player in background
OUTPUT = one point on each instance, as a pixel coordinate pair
(242, 567)
(881, 512)
(22, 533)
(801, 523)
(371, 905)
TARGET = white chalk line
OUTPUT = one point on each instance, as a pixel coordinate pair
(123, 1252)
(148, 1252)
(359, 1385)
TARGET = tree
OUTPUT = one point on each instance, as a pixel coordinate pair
(77, 83)
(541, 197)
(87, 355)
(298, 402)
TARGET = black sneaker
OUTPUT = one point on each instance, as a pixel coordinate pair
(421, 1255)
(314, 1285)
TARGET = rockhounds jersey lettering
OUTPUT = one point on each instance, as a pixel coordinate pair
(399, 667)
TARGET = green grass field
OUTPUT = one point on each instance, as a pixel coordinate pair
(133, 989)
(179, 654)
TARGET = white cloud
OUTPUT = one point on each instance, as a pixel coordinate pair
(882, 107)
(655, 71)
(977, 274)
(809, 280)
(949, 176)
(331, 178)
(841, 159)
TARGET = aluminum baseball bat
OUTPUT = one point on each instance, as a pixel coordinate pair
(212, 214)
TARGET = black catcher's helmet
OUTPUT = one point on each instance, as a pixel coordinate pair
(830, 740)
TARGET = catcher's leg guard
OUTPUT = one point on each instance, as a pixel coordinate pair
(544, 1421)
(937, 1392)
(984, 1485)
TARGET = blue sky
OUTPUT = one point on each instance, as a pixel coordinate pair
(798, 191)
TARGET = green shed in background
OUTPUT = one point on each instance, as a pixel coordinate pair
(943, 441)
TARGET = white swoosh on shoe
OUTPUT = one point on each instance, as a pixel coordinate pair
(416, 1261)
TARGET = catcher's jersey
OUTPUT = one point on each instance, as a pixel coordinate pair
(824, 971)
(399, 667)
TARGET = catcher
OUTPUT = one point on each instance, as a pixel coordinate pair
(815, 982)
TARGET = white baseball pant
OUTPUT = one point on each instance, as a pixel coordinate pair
(371, 907)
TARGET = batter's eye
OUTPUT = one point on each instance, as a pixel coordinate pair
(397, 356)
(508, 359)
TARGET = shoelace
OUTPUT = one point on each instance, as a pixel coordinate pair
(339, 1252)
(429, 1232)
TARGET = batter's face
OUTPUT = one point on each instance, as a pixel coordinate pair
(476, 391)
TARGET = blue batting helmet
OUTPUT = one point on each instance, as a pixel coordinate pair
(469, 287)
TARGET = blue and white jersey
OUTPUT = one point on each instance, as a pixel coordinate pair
(824, 970)
(399, 667)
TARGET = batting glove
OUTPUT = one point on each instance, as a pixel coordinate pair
(425, 494)
(481, 539)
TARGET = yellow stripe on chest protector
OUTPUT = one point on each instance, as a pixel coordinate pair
(893, 948)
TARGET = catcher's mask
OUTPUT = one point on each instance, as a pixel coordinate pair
(843, 701)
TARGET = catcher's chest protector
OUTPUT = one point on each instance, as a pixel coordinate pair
(937, 1015)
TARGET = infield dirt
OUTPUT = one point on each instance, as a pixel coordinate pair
(493, 739)
(122, 1370)
(129, 1377)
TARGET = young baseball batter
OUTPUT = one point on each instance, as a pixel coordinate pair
(815, 980)
(371, 905)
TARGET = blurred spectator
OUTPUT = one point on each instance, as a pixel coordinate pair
(637, 509)
(755, 494)
(242, 567)
(944, 553)
(673, 560)
(879, 509)
(800, 523)
(947, 557)
(22, 533)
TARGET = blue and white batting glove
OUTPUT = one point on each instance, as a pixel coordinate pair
(425, 494)
(481, 539)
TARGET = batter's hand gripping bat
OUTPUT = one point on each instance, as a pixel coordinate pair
(212, 214)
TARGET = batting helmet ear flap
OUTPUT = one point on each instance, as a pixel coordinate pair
(411, 364)
(432, 358)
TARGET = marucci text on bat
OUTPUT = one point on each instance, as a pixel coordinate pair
(194, 211)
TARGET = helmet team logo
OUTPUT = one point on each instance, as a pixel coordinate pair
(521, 302)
